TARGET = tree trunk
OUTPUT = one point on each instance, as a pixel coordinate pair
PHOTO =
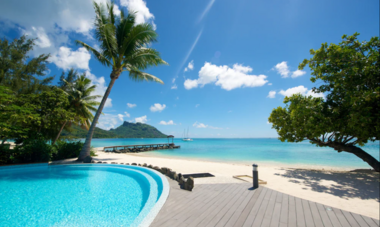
(375, 164)
(59, 133)
(85, 152)
(360, 153)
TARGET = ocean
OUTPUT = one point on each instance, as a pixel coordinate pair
(248, 151)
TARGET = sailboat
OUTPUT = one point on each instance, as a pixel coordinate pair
(186, 136)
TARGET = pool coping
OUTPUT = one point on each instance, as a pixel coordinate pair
(150, 216)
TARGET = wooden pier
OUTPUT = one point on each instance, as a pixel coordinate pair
(140, 148)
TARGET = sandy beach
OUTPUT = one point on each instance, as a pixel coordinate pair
(352, 190)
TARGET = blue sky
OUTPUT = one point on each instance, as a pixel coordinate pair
(231, 62)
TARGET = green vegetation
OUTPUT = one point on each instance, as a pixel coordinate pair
(349, 116)
(81, 101)
(32, 111)
(126, 130)
(124, 46)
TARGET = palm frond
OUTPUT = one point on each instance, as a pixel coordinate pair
(99, 56)
(137, 75)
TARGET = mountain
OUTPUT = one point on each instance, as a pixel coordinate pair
(126, 130)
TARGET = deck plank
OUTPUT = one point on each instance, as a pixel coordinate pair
(316, 216)
(342, 219)
(263, 207)
(324, 216)
(284, 210)
(359, 219)
(199, 214)
(300, 213)
(309, 220)
(275, 219)
(292, 221)
(218, 207)
(245, 197)
(369, 221)
(226, 205)
(243, 205)
(334, 220)
(232, 205)
(270, 209)
(255, 209)
(350, 218)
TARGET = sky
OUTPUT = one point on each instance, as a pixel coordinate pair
(230, 62)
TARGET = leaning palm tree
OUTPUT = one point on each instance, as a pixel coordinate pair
(124, 47)
(81, 101)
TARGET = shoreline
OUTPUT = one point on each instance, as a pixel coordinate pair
(355, 191)
(234, 162)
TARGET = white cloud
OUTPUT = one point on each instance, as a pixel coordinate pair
(282, 69)
(100, 89)
(167, 123)
(157, 107)
(190, 84)
(301, 90)
(270, 84)
(143, 14)
(142, 119)
(205, 11)
(43, 40)
(226, 77)
(174, 86)
(65, 58)
(120, 117)
(201, 125)
(298, 73)
(177, 98)
(130, 105)
(116, 10)
(108, 121)
(190, 66)
(272, 94)
(196, 106)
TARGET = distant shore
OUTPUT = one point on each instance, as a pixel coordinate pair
(348, 189)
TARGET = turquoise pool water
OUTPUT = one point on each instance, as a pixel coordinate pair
(253, 150)
(78, 195)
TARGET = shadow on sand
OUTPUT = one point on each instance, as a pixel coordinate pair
(363, 184)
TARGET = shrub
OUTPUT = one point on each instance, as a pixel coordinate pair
(67, 150)
(32, 150)
(5, 152)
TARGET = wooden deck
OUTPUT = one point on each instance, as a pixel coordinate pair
(239, 205)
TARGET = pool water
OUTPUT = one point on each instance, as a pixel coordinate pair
(75, 196)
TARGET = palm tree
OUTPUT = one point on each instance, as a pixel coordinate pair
(81, 101)
(124, 47)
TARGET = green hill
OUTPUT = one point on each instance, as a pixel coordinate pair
(126, 130)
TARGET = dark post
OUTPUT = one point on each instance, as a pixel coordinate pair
(255, 176)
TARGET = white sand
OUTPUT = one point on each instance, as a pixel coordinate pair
(357, 191)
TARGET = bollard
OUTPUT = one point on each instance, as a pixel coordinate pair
(255, 176)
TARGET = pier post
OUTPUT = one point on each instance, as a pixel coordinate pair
(255, 176)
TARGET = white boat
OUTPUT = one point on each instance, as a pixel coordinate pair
(186, 136)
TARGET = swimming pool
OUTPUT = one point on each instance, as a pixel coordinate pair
(80, 195)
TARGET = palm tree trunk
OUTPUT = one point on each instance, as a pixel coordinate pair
(59, 133)
(85, 152)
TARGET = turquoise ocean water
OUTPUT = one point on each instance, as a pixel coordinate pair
(249, 151)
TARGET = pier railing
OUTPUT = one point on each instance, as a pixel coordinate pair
(135, 148)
